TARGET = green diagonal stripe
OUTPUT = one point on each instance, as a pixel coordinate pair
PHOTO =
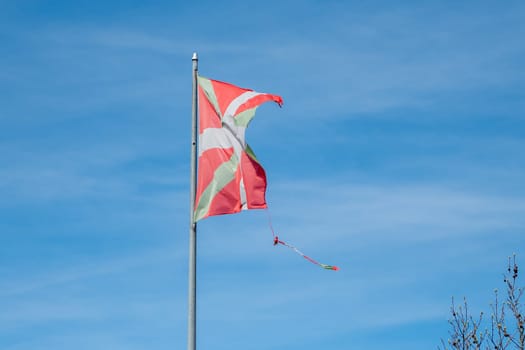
(251, 154)
(244, 118)
(222, 176)
(206, 85)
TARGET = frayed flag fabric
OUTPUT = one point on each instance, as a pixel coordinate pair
(230, 178)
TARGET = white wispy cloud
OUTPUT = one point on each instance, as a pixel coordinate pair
(82, 271)
(434, 211)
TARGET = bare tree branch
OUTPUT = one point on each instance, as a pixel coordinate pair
(506, 328)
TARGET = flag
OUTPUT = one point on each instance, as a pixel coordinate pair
(230, 178)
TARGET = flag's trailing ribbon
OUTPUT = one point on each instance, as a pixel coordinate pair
(277, 241)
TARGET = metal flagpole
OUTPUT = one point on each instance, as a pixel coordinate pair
(192, 303)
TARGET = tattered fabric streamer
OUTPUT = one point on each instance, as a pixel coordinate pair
(277, 241)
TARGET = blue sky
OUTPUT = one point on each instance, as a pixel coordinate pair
(398, 155)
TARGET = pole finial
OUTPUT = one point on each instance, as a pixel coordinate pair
(194, 57)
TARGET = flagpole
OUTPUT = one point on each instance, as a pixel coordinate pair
(192, 302)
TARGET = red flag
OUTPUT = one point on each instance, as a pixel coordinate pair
(230, 178)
